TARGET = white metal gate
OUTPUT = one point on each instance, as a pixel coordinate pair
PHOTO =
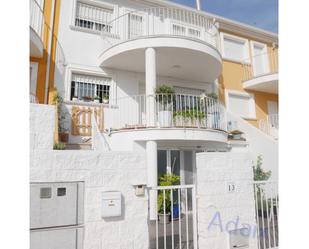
(175, 226)
(266, 213)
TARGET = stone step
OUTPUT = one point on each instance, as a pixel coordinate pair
(78, 146)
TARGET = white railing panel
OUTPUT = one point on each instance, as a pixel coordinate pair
(170, 111)
(269, 65)
(175, 224)
(36, 18)
(266, 212)
(162, 21)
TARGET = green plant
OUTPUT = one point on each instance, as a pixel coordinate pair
(96, 97)
(212, 95)
(166, 180)
(59, 146)
(165, 95)
(192, 113)
(165, 89)
(58, 101)
(258, 173)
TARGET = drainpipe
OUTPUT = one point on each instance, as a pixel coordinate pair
(50, 38)
(198, 5)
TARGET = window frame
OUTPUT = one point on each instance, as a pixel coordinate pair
(245, 41)
(95, 3)
(74, 69)
(265, 48)
(250, 96)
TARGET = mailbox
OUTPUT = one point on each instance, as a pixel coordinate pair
(111, 204)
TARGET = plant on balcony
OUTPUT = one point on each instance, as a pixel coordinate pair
(212, 95)
(165, 96)
(235, 134)
(167, 179)
(105, 98)
(96, 99)
(190, 117)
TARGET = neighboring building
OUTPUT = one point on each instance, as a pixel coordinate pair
(107, 60)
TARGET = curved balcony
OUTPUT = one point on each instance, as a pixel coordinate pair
(186, 43)
(37, 21)
(176, 117)
(262, 74)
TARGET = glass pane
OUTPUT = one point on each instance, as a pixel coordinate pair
(162, 160)
(175, 162)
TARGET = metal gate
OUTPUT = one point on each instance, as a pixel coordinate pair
(175, 226)
(266, 213)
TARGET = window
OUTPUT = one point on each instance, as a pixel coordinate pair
(241, 103)
(259, 58)
(93, 17)
(87, 87)
(234, 48)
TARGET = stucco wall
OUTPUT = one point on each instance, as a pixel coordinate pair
(217, 207)
(42, 123)
(109, 171)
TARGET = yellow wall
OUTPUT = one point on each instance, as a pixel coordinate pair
(231, 79)
(42, 62)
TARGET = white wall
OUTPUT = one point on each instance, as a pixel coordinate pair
(215, 171)
(116, 171)
(42, 125)
(259, 144)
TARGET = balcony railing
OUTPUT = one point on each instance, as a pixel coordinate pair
(33, 99)
(37, 18)
(262, 64)
(167, 111)
(270, 125)
(161, 22)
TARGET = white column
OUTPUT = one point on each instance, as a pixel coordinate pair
(150, 74)
(198, 5)
(152, 174)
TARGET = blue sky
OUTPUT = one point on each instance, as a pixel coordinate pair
(260, 13)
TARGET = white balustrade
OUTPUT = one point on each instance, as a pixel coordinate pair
(267, 210)
(261, 64)
(36, 18)
(162, 22)
(171, 111)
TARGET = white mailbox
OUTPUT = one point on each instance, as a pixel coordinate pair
(111, 204)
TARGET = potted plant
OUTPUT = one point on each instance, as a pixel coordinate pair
(167, 180)
(105, 98)
(190, 117)
(87, 98)
(96, 99)
(164, 97)
(235, 134)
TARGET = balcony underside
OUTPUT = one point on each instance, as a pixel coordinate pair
(176, 57)
(179, 136)
(36, 44)
(266, 83)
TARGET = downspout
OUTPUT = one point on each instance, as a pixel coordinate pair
(50, 38)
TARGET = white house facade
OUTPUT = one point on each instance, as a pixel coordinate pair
(105, 190)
